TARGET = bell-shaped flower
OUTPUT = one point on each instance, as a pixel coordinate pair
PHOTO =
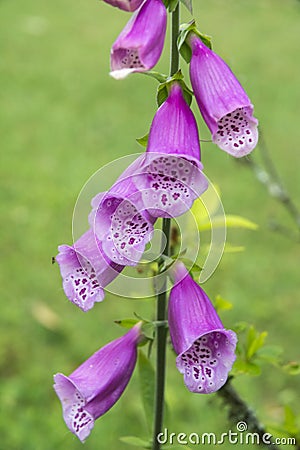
(205, 349)
(125, 5)
(224, 105)
(170, 177)
(140, 44)
(120, 221)
(95, 386)
(86, 270)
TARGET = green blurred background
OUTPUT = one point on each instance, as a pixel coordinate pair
(61, 118)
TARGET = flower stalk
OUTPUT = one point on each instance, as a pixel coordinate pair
(161, 332)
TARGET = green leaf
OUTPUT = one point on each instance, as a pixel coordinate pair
(290, 420)
(231, 221)
(270, 353)
(186, 52)
(229, 248)
(147, 386)
(162, 94)
(292, 368)
(240, 222)
(240, 327)
(172, 5)
(191, 265)
(161, 77)
(256, 343)
(182, 42)
(164, 88)
(188, 4)
(245, 367)
(135, 441)
(205, 39)
(222, 304)
(127, 323)
(148, 329)
(143, 141)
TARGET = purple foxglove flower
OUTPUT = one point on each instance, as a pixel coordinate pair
(205, 349)
(95, 386)
(126, 5)
(170, 177)
(120, 221)
(86, 270)
(139, 46)
(224, 105)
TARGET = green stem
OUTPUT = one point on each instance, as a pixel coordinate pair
(174, 64)
(161, 332)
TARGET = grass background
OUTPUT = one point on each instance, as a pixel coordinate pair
(61, 118)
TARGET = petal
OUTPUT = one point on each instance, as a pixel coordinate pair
(80, 281)
(78, 420)
(237, 132)
(128, 235)
(120, 220)
(85, 270)
(191, 313)
(169, 184)
(221, 98)
(139, 45)
(170, 177)
(174, 129)
(95, 386)
(207, 362)
(125, 5)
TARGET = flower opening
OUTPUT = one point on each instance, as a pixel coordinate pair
(121, 222)
(223, 103)
(205, 349)
(86, 270)
(95, 386)
(139, 46)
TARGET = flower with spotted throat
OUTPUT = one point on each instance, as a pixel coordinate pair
(120, 221)
(205, 349)
(86, 270)
(95, 386)
(170, 177)
(223, 103)
(140, 44)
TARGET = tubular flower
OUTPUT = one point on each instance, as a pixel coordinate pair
(140, 44)
(120, 221)
(224, 105)
(170, 177)
(86, 270)
(126, 5)
(95, 386)
(204, 347)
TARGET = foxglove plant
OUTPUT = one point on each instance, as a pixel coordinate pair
(171, 175)
(205, 349)
(125, 5)
(140, 44)
(163, 182)
(86, 270)
(224, 105)
(120, 222)
(95, 386)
